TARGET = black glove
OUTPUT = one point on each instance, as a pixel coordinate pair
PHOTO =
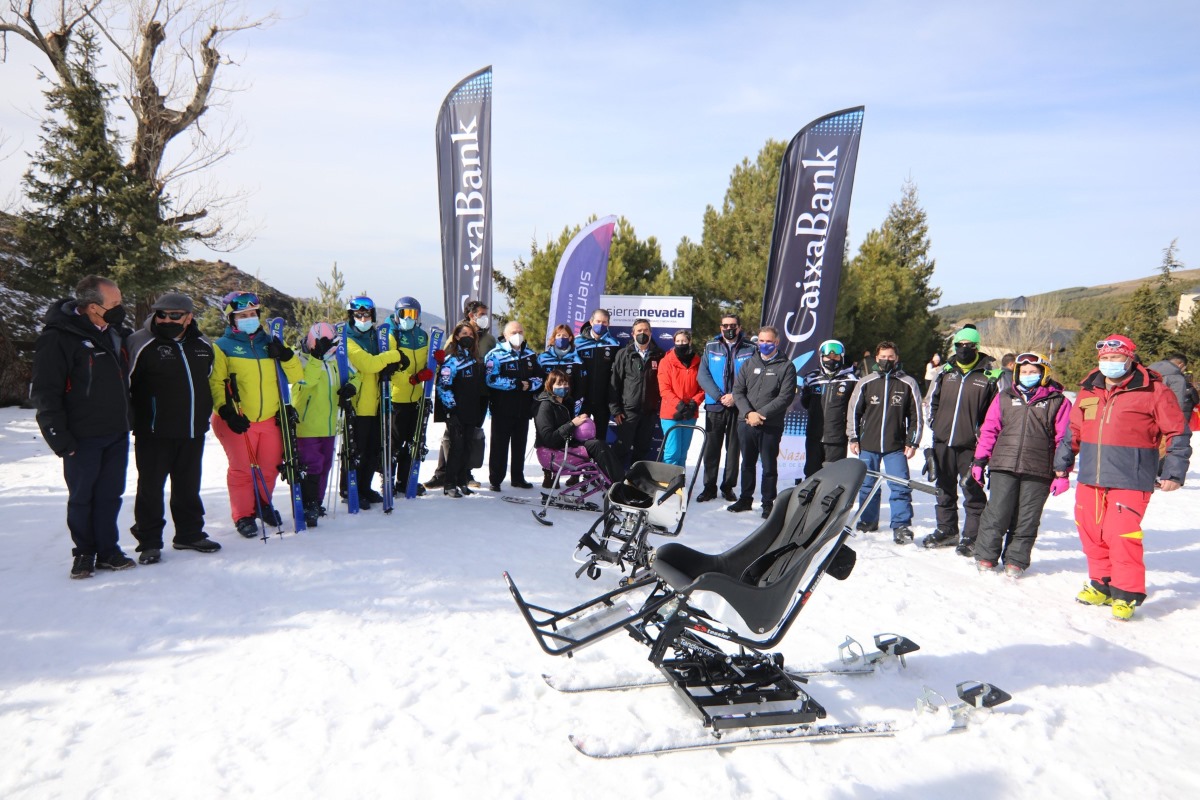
(693, 409)
(387, 372)
(405, 362)
(930, 468)
(279, 351)
(680, 411)
(238, 423)
(346, 392)
(323, 346)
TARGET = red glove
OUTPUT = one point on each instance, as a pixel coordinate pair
(439, 356)
(1059, 485)
(421, 376)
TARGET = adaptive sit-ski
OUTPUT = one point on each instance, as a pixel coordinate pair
(651, 499)
(707, 619)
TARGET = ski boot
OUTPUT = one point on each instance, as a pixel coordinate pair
(902, 535)
(1089, 595)
(940, 538)
(966, 548)
(1122, 610)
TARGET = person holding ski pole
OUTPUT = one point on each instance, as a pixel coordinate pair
(1024, 425)
(362, 347)
(245, 394)
(316, 398)
(408, 386)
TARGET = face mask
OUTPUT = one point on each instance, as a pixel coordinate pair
(683, 350)
(466, 344)
(516, 340)
(248, 325)
(831, 365)
(114, 315)
(599, 328)
(559, 391)
(766, 348)
(406, 323)
(1029, 381)
(729, 333)
(965, 352)
(642, 338)
(562, 343)
(364, 325)
(1113, 369)
(886, 365)
(171, 330)
(482, 322)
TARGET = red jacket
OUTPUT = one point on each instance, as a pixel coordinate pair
(679, 383)
(1116, 433)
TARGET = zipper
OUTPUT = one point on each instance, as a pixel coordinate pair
(87, 389)
(191, 392)
(153, 414)
(1122, 507)
(887, 398)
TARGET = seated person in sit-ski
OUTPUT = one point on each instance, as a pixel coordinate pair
(554, 426)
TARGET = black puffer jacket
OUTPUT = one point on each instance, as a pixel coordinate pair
(168, 382)
(80, 379)
(552, 423)
(959, 400)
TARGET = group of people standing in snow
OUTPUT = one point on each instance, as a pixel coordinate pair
(1005, 436)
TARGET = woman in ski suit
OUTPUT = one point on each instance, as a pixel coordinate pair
(1023, 426)
(460, 387)
(245, 393)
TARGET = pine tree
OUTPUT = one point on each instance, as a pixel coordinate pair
(329, 304)
(886, 293)
(727, 269)
(88, 214)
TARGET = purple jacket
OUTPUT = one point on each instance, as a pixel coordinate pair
(1020, 432)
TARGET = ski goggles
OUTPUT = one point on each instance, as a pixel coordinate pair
(174, 316)
(242, 301)
(407, 313)
(832, 349)
(1031, 358)
(361, 304)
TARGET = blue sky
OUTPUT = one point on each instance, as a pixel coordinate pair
(1054, 144)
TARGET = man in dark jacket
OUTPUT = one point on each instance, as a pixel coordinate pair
(764, 391)
(168, 383)
(514, 380)
(724, 356)
(597, 351)
(81, 393)
(958, 403)
(635, 396)
(883, 425)
(825, 394)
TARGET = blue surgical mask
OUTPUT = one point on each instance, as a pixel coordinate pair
(406, 323)
(766, 348)
(562, 343)
(559, 391)
(1113, 369)
(1029, 381)
(599, 328)
(248, 325)
(364, 325)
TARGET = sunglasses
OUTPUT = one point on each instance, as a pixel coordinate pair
(174, 316)
(243, 301)
(362, 314)
(1113, 343)
(732, 327)
(1030, 358)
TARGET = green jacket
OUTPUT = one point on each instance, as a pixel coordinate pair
(315, 398)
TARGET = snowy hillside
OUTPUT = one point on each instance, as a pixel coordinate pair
(383, 657)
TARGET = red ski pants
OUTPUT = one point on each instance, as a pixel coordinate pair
(265, 442)
(1110, 529)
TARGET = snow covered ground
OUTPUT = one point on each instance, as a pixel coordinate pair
(383, 657)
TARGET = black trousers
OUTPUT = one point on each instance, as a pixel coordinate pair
(634, 438)
(510, 437)
(759, 443)
(1017, 502)
(600, 415)
(722, 429)
(458, 456)
(367, 441)
(404, 429)
(157, 459)
(95, 478)
(817, 454)
(954, 464)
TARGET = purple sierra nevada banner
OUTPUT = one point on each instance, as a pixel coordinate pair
(464, 160)
(581, 276)
(807, 242)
